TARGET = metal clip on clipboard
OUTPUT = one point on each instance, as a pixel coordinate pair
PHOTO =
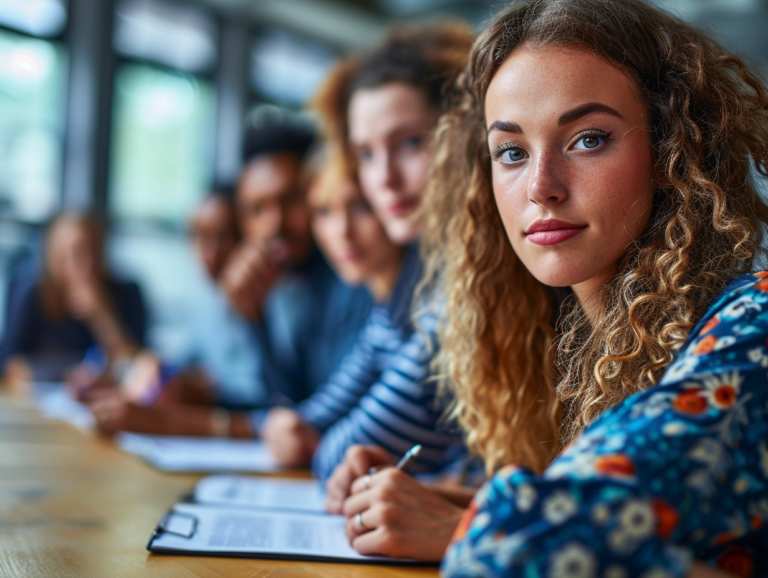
(163, 526)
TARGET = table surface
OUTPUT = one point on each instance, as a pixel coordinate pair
(71, 504)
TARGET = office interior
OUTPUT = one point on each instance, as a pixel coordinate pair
(133, 109)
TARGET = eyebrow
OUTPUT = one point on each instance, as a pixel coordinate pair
(505, 126)
(565, 118)
(584, 110)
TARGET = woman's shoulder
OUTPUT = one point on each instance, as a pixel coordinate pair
(738, 316)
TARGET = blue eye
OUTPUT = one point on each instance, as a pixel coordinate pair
(511, 156)
(413, 142)
(364, 154)
(361, 207)
(590, 142)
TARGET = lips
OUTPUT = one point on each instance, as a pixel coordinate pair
(552, 231)
(403, 207)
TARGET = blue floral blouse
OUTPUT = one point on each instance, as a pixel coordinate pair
(671, 475)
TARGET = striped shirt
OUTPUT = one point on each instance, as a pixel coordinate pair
(382, 394)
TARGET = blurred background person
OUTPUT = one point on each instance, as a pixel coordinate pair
(302, 318)
(356, 244)
(77, 306)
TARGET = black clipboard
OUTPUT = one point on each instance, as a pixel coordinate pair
(162, 528)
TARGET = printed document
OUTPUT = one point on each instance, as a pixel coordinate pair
(232, 531)
(192, 454)
(278, 494)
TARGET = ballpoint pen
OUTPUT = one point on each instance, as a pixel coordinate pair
(405, 462)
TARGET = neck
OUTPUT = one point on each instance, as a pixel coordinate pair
(382, 283)
(588, 294)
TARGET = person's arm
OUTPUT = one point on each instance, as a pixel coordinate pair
(292, 434)
(674, 472)
(113, 414)
(358, 371)
(132, 313)
(398, 411)
(90, 302)
(23, 324)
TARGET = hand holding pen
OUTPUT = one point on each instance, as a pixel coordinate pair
(403, 464)
(389, 512)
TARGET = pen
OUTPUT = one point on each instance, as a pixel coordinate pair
(405, 462)
(409, 457)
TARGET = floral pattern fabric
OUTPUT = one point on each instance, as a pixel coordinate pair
(673, 474)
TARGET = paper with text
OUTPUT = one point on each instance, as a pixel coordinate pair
(257, 533)
(192, 454)
(280, 494)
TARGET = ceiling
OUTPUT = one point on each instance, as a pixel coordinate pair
(353, 24)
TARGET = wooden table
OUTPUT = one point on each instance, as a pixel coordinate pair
(72, 504)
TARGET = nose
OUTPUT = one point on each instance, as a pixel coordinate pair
(274, 221)
(387, 175)
(546, 185)
(345, 226)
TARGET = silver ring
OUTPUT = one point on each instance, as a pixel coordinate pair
(367, 482)
(359, 521)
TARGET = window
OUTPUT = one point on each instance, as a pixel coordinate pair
(32, 106)
(162, 143)
(285, 69)
(163, 114)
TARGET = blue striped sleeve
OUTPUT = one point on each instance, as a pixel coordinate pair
(401, 409)
(358, 371)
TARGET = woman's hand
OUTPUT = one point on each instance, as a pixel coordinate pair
(400, 517)
(290, 440)
(357, 462)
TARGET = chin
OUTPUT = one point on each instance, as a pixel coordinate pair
(554, 274)
(353, 278)
(403, 231)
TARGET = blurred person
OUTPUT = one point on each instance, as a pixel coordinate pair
(379, 392)
(302, 318)
(76, 307)
(357, 246)
(385, 116)
(220, 364)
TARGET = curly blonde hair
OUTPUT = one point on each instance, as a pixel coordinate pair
(515, 392)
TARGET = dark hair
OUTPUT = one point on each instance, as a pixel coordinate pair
(224, 190)
(277, 136)
(427, 58)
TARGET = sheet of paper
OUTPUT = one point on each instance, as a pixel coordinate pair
(54, 402)
(280, 494)
(191, 454)
(257, 533)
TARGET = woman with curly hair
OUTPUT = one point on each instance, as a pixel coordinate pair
(605, 146)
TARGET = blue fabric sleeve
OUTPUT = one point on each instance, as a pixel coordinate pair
(672, 474)
(22, 325)
(131, 311)
(400, 410)
(334, 399)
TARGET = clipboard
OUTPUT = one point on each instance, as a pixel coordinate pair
(226, 531)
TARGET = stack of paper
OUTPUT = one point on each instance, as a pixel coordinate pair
(258, 518)
(192, 454)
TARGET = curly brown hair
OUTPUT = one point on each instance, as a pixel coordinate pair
(709, 135)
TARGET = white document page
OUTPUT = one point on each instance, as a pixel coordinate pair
(257, 533)
(191, 454)
(54, 401)
(279, 494)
